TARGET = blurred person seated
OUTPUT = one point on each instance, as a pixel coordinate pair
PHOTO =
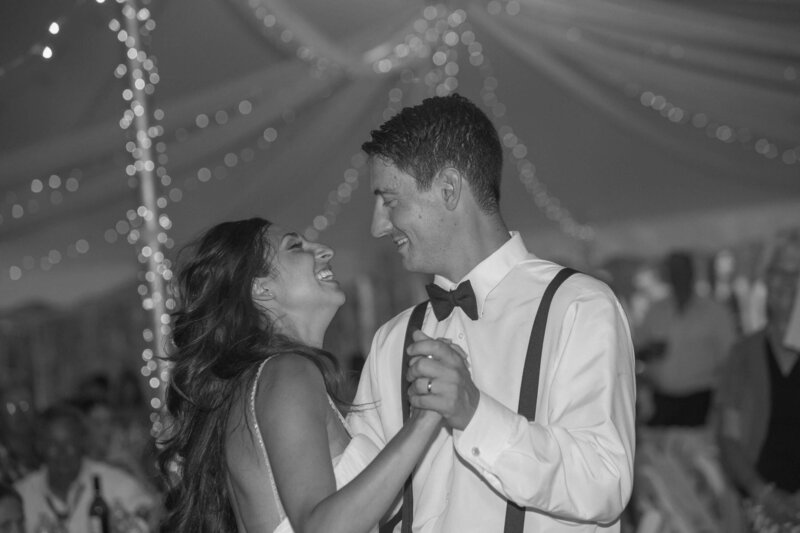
(680, 345)
(758, 403)
(12, 516)
(57, 497)
(120, 439)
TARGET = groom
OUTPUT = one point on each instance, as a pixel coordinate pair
(566, 462)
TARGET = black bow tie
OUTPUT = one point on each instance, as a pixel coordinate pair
(444, 301)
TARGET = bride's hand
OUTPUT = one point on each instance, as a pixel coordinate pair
(425, 418)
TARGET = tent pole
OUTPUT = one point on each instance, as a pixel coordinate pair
(145, 165)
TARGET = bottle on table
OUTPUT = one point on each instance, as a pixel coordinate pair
(99, 515)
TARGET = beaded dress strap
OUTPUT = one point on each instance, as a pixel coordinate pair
(253, 390)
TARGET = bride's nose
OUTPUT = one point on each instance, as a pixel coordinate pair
(323, 253)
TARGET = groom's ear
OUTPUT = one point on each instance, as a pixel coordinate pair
(451, 183)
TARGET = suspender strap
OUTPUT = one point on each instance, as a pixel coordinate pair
(529, 389)
(406, 512)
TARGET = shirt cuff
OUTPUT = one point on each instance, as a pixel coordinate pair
(487, 435)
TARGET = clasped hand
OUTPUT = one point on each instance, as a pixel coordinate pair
(439, 380)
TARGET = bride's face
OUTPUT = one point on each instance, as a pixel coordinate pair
(301, 282)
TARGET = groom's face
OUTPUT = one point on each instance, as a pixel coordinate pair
(410, 217)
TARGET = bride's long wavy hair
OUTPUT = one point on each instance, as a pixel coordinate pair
(219, 338)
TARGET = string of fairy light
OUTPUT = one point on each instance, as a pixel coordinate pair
(548, 203)
(417, 43)
(271, 27)
(129, 225)
(440, 32)
(145, 227)
(58, 187)
(660, 103)
(713, 129)
(143, 77)
(58, 184)
(17, 207)
(446, 59)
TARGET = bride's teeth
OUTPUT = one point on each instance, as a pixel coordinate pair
(325, 275)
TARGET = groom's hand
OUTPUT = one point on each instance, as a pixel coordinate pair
(440, 380)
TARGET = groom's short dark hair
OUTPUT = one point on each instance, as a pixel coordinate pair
(443, 131)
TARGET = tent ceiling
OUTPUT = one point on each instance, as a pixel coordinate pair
(572, 76)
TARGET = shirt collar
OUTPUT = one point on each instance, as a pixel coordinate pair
(488, 273)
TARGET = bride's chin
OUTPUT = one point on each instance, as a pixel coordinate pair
(333, 303)
(339, 297)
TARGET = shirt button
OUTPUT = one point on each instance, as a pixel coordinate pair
(460, 335)
(476, 451)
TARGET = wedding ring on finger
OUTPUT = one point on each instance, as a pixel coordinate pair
(430, 382)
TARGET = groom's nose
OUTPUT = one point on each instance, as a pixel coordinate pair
(381, 225)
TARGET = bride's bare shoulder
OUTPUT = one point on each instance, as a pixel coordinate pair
(289, 382)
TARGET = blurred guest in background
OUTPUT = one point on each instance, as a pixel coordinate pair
(100, 419)
(127, 397)
(120, 440)
(119, 426)
(12, 517)
(682, 341)
(94, 387)
(17, 428)
(57, 497)
(759, 400)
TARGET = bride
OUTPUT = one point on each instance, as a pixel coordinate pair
(258, 441)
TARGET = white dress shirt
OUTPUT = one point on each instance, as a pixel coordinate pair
(573, 467)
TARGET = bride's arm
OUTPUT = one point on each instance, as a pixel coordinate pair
(292, 409)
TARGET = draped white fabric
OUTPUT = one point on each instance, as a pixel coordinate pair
(572, 74)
